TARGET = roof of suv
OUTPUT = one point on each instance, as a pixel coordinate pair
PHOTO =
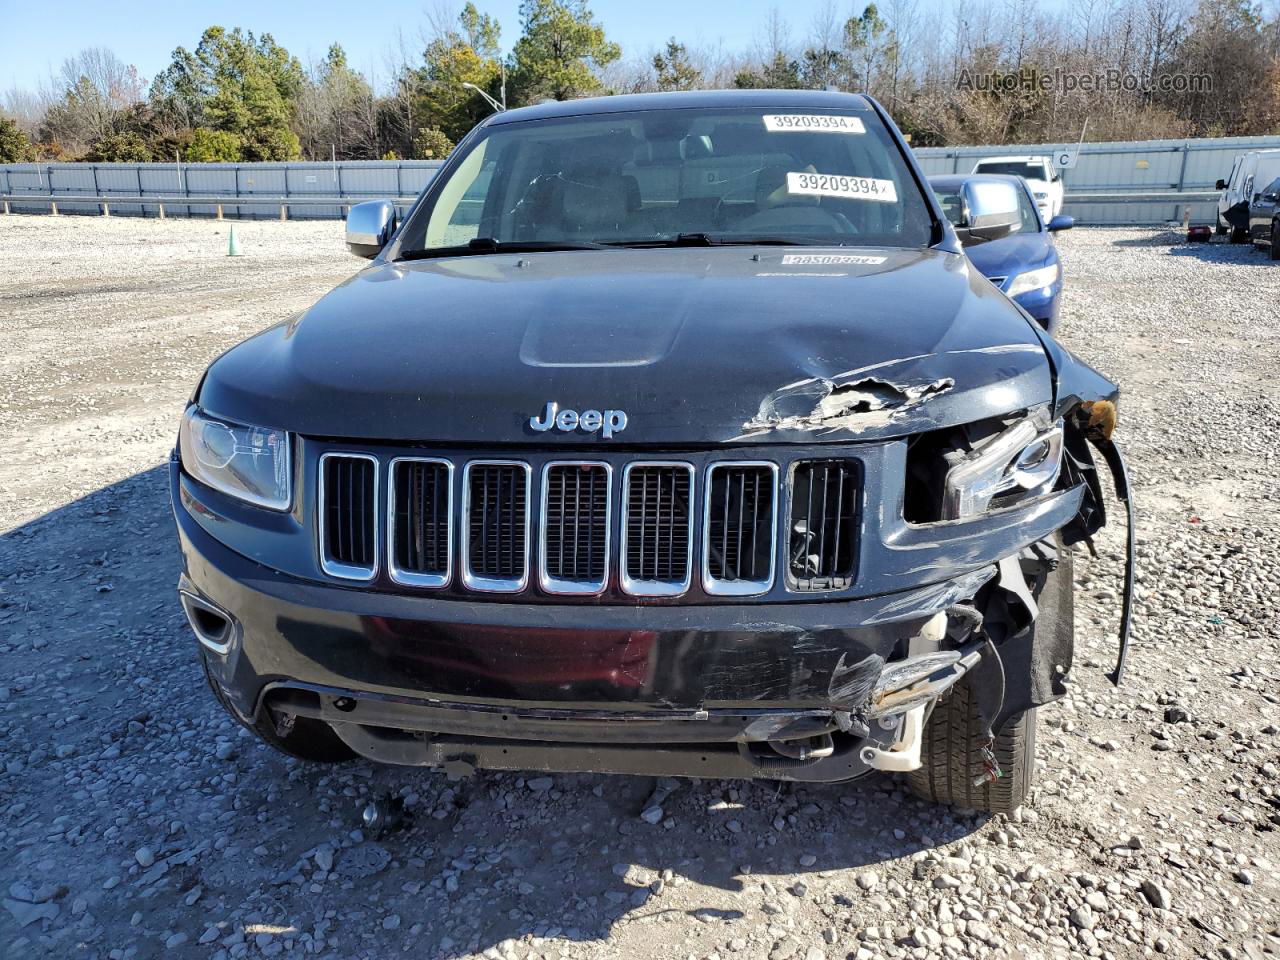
(1026, 159)
(815, 99)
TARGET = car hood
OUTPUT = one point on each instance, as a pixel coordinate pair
(1012, 255)
(695, 345)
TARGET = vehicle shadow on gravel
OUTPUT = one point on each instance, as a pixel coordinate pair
(1217, 250)
(218, 837)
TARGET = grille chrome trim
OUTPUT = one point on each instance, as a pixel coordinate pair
(409, 578)
(738, 588)
(656, 588)
(579, 588)
(346, 571)
(492, 584)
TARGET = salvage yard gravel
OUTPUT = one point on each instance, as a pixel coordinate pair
(137, 820)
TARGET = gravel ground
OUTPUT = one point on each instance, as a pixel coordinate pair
(140, 822)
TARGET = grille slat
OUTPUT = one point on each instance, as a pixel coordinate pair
(576, 512)
(740, 536)
(823, 556)
(657, 529)
(348, 510)
(421, 505)
(496, 525)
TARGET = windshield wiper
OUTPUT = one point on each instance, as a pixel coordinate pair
(728, 240)
(483, 245)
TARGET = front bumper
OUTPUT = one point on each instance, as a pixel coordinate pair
(680, 689)
(670, 690)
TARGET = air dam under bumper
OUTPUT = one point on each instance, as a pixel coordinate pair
(611, 688)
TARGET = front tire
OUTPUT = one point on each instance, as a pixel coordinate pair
(951, 756)
(1274, 252)
(307, 739)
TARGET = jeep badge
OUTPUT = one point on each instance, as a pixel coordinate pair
(611, 421)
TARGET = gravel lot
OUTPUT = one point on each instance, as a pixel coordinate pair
(140, 822)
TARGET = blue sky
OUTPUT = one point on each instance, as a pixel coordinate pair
(35, 37)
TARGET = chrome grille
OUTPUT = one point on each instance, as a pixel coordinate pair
(657, 529)
(739, 528)
(822, 527)
(575, 521)
(492, 539)
(420, 512)
(495, 542)
(348, 512)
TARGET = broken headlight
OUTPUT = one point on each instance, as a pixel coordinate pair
(1025, 458)
(248, 463)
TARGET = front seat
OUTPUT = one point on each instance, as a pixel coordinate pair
(590, 204)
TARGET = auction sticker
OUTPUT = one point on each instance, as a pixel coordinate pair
(812, 123)
(830, 185)
(828, 259)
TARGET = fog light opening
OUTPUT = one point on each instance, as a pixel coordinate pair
(213, 627)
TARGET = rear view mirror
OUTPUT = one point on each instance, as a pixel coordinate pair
(992, 208)
(1061, 222)
(369, 227)
(1221, 185)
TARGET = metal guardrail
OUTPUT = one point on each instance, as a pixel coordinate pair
(1163, 196)
(217, 201)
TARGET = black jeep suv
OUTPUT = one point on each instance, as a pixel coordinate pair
(667, 434)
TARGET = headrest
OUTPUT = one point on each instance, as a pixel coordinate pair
(592, 203)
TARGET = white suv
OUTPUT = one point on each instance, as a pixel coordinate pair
(1041, 177)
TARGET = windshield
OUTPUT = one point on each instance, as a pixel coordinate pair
(664, 176)
(1021, 168)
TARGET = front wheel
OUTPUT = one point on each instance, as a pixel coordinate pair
(1274, 253)
(952, 757)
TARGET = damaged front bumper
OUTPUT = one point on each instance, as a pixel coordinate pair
(788, 691)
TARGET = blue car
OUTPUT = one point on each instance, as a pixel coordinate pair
(1006, 239)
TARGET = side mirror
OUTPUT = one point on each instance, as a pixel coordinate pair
(369, 227)
(1221, 185)
(986, 231)
(992, 208)
(1061, 222)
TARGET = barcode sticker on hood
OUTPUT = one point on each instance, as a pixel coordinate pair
(812, 123)
(830, 185)
(825, 259)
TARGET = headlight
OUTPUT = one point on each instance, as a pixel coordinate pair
(1034, 280)
(1023, 458)
(249, 463)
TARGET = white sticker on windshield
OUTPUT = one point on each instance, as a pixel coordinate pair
(826, 259)
(829, 185)
(812, 123)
